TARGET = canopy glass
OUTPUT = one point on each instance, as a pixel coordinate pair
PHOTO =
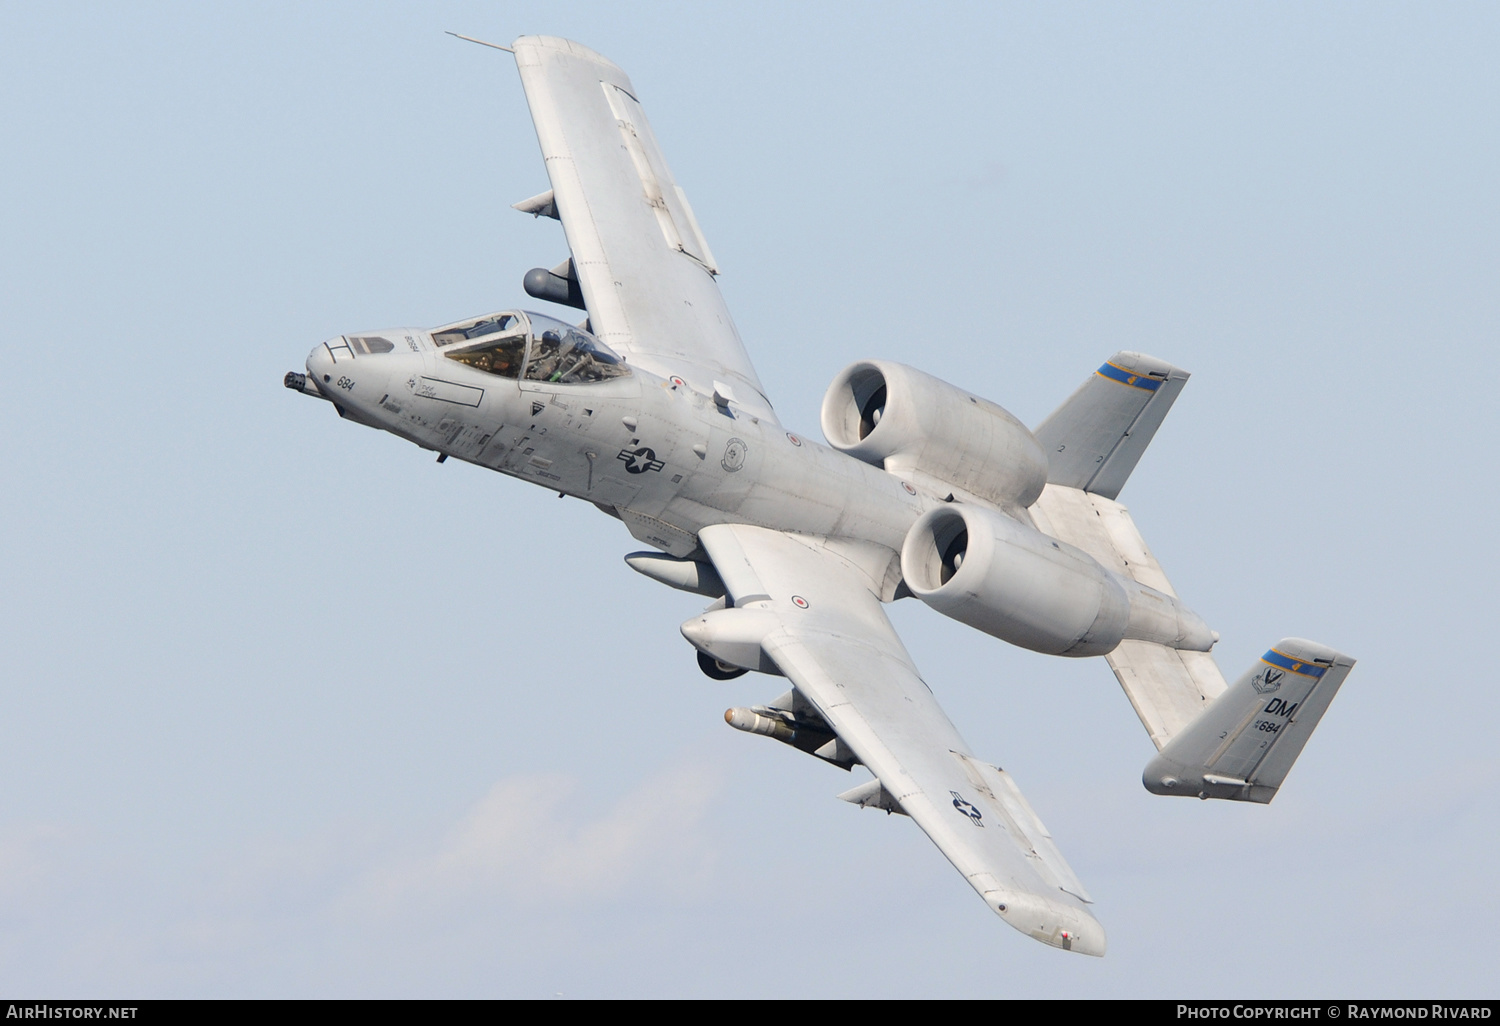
(514, 344)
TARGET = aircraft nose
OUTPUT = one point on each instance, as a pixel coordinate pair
(320, 364)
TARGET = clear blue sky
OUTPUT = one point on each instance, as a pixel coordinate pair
(289, 709)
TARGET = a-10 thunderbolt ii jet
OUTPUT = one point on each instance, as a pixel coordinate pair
(651, 410)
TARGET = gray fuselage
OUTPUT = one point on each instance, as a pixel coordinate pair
(665, 458)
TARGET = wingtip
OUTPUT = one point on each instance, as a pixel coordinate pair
(1053, 923)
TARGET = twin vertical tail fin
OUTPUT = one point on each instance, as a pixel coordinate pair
(1215, 742)
(1095, 439)
(1237, 742)
(1242, 746)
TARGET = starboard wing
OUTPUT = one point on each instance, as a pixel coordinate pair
(642, 263)
(815, 616)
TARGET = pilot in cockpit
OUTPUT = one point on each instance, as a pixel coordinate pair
(569, 356)
(559, 353)
(547, 353)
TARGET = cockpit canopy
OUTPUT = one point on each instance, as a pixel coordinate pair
(516, 344)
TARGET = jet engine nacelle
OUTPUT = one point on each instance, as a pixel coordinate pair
(909, 422)
(1013, 582)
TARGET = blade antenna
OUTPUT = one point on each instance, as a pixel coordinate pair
(481, 42)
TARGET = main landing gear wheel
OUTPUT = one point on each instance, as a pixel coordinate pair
(717, 670)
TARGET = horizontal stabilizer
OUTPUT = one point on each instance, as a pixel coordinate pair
(1095, 439)
(1244, 744)
(1169, 688)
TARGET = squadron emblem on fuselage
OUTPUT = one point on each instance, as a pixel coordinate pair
(734, 455)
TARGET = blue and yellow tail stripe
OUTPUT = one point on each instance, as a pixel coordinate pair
(1125, 377)
(1286, 662)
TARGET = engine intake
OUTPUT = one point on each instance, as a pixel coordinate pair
(1011, 581)
(905, 421)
